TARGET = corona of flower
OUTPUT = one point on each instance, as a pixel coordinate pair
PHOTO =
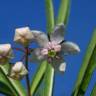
(54, 47)
(18, 71)
(5, 53)
(23, 36)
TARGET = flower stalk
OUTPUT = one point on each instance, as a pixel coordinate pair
(49, 74)
(27, 76)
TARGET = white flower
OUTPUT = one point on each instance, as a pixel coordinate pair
(5, 53)
(18, 71)
(53, 47)
(23, 36)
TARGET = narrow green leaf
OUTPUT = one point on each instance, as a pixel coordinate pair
(93, 91)
(88, 73)
(49, 74)
(49, 16)
(4, 89)
(49, 79)
(64, 11)
(18, 88)
(6, 84)
(87, 68)
(36, 79)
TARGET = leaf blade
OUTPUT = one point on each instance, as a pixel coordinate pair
(39, 74)
(49, 15)
(49, 74)
(64, 11)
(5, 89)
(14, 83)
(86, 67)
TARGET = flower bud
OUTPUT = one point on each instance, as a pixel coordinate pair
(18, 71)
(23, 36)
(5, 53)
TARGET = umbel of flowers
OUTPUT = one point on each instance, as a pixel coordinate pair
(52, 48)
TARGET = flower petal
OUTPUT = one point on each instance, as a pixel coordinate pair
(36, 56)
(17, 67)
(58, 34)
(23, 71)
(57, 48)
(5, 48)
(40, 37)
(44, 51)
(62, 67)
(70, 48)
(59, 64)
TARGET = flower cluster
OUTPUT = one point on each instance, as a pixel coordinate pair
(52, 48)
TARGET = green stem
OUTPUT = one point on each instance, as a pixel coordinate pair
(37, 77)
(49, 79)
(64, 11)
(87, 67)
(12, 88)
(49, 74)
(27, 76)
(49, 16)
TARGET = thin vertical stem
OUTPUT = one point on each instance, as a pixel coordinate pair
(37, 77)
(27, 76)
(49, 74)
(64, 11)
(49, 16)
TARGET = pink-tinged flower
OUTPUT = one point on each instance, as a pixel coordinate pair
(23, 36)
(18, 71)
(5, 53)
(53, 47)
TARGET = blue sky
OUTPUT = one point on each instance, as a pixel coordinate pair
(82, 21)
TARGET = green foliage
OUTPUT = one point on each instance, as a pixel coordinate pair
(49, 74)
(87, 68)
(64, 11)
(49, 15)
(4, 89)
(45, 72)
(4, 84)
(13, 85)
(37, 77)
(93, 91)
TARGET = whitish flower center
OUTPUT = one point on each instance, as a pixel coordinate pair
(51, 49)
